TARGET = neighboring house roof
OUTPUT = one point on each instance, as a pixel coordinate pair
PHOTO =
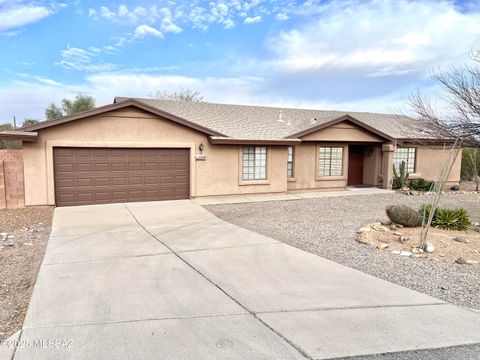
(227, 124)
(273, 123)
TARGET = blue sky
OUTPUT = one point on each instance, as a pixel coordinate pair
(345, 55)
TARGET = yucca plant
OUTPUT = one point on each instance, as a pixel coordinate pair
(448, 219)
(400, 177)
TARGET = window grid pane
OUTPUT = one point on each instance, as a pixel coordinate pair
(407, 155)
(290, 173)
(254, 162)
(330, 161)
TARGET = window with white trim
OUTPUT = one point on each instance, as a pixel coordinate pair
(330, 161)
(254, 163)
(290, 162)
(407, 155)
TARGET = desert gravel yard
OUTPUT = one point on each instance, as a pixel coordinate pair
(23, 238)
(327, 227)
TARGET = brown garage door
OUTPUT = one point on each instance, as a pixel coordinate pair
(108, 175)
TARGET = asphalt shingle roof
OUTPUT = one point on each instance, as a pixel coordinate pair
(262, 123)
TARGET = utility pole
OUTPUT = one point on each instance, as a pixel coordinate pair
(14, 123)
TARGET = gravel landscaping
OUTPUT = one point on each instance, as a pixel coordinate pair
(327, 227)
(23, 238)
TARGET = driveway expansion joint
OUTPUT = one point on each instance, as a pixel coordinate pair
(351, 308)
(106, 258)
(108, 322)
(292, 344)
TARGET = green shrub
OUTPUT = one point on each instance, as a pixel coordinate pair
(448, 219)
(421, 184)
(455, 188)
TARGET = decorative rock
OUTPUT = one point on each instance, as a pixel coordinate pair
(364, 229)
(416, 251)
(396, 252)
(393, 227)
(463, 261)
(397, 234)
(405, 253)
(379, 228)
(385, 222)
(429, 248)
(362, 239)
(441, 255)
(403, 238)
(460, 240)
(384, 246)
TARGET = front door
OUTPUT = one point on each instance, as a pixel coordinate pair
(355, 164)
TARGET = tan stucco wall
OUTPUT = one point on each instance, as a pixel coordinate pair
(217, 175)
(306, 169)
(430, 160)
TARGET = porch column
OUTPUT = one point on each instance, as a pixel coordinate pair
(387, 165)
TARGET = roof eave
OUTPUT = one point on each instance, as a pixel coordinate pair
(18, 136)
(232, 141)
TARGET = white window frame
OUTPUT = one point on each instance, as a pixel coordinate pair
(254, 163)
(330, 161)
(407, 154)
(290, 162)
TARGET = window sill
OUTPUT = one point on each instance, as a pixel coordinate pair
(254, 182)
(331, 178)
(292, 179)
(414, 175)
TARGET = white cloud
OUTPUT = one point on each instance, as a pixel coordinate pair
(18, 15)
(47, 81)
(282, 17)
(106, 13)
(171, 27)
(92, 13)
(229, 23)
(146, 30)
(381, 37)
(122, 10)
(253, 20)
(78, 59)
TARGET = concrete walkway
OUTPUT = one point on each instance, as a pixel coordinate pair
(168, 280)
(247, 198)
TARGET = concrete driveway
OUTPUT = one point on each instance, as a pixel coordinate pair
(168, 280)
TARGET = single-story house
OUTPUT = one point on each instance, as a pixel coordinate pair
(147, 149)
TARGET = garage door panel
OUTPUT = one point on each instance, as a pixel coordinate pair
(102, 175)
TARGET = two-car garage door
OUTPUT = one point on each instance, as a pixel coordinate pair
(109, 175)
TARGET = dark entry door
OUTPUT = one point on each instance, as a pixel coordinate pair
(355, 164)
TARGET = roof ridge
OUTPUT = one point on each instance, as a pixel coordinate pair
(344, 112)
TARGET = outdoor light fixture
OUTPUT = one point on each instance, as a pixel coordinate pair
(200, 147)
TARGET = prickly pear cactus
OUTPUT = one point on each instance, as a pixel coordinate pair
(403, 215)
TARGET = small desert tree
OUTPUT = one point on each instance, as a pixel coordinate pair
(178, 95)
(70, 107)
(458, 125)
